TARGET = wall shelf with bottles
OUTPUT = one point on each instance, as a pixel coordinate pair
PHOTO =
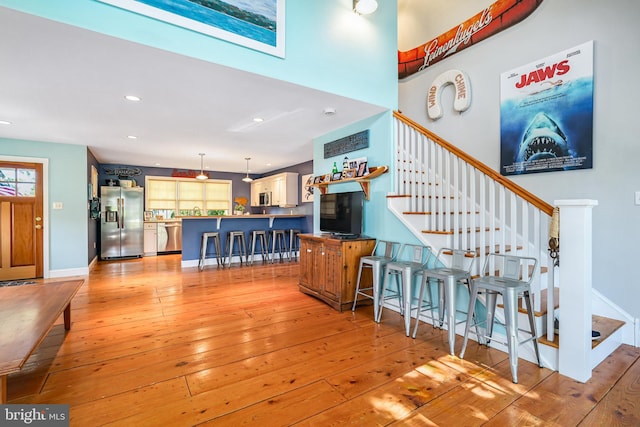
(374, 172)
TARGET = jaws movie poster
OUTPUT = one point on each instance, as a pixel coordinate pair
(546, 114)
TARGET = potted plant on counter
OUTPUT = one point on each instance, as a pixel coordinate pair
(239, 208)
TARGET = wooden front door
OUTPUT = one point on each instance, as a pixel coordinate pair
(21, 222)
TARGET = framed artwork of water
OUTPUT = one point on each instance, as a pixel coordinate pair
(256, 24)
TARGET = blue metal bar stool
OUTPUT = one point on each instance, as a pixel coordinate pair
(502, 274)
(278, 239)
(383, 253)
(203, 249)
(412, 260)
(259, 236)
(447, 277)
(294, 244)
(238, 238)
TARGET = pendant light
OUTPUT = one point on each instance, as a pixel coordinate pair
(202, 176)
(246, 178)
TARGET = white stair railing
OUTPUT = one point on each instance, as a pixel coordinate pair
(470, 204)
(465, 204)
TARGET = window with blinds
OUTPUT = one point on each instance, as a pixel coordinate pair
(184, 195)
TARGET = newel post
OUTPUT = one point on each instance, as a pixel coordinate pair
(575, 281)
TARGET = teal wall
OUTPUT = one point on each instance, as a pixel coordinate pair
(378, 221)
(328, 47)
(67, 227)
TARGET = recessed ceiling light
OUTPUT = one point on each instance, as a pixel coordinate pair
(4, 122)
(258, 119)
(132, 137)
(329, 111)
(132, 98)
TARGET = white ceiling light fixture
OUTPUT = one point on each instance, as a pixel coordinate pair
(5, 122)
(132, 98)
(247, 178)
(365, 7)
(202, 175)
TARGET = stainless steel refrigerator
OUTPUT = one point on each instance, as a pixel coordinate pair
(121, 222)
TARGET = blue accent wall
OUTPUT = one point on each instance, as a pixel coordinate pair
(239, 187)
(192, 230)
(93, 225)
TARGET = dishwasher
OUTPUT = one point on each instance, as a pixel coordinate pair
(169, 237)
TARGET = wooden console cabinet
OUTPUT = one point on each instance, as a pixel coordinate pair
(329, 267)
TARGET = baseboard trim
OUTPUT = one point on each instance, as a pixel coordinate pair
(82, 271)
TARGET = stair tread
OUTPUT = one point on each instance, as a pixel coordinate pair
(606, 326)
(468, 230)
(425, 196)
(436, 213)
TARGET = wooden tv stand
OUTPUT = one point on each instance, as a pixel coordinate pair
(329, 267)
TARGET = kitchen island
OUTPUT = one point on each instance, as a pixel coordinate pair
(194, 226)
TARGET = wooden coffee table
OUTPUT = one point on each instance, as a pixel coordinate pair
(27, 314)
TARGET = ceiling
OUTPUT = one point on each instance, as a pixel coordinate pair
(64, 84)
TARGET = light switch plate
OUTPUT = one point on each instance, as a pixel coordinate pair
(57, 205)
(638, 198)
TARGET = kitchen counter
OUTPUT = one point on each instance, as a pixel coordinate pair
(194, 226)
(243, 216)
(219, 218)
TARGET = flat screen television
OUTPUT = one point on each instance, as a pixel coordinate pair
(341, 213)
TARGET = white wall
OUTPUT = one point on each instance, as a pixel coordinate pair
(555, 26)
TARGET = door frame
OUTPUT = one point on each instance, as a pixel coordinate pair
(45, 203)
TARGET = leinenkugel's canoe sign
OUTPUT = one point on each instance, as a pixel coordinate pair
(498, 16)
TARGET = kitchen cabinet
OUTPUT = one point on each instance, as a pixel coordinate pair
(150, 239)
(329, 267)
(260, 185)
(283, 188)
(276, 190)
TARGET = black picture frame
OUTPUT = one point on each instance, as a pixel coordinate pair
(317, 179)
(336, 176)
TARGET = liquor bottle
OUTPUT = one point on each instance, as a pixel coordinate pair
(335, 168)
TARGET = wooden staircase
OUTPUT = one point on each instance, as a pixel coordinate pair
(606, 326)
(449, 199)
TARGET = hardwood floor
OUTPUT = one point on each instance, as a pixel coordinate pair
(151, 344)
